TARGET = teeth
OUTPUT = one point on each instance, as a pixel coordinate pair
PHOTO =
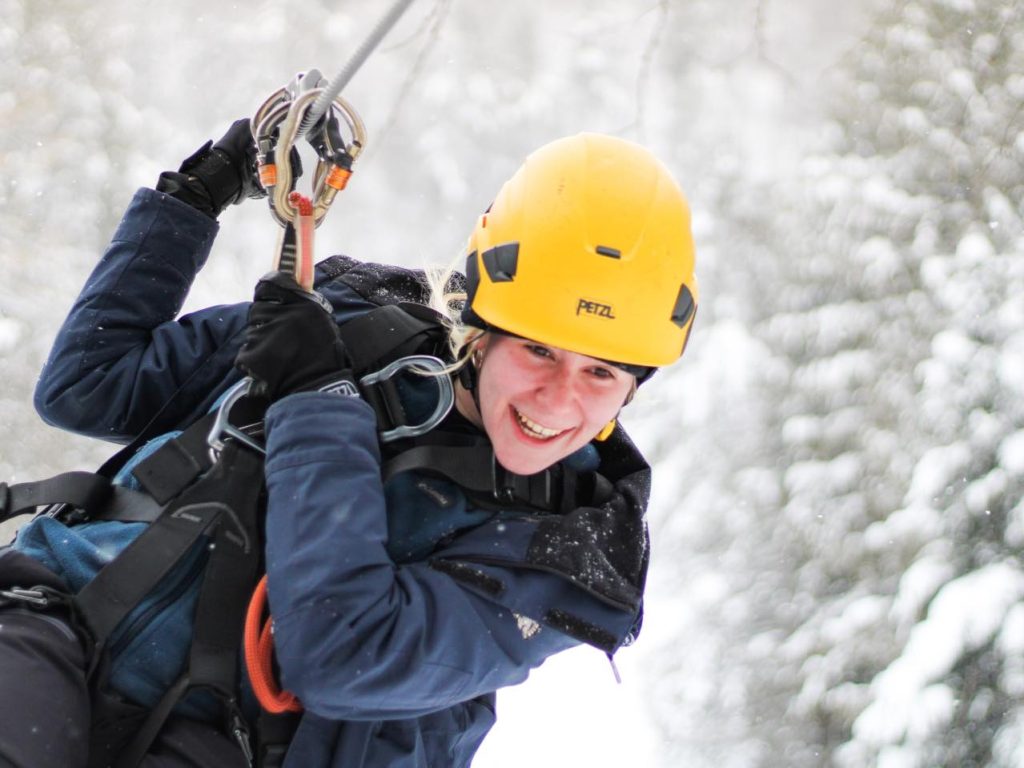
(534, 429)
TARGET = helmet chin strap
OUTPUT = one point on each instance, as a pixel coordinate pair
(469, 378)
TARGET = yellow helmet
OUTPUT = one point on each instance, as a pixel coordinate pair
(588, 248)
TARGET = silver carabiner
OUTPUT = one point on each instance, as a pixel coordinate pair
(430, 366)
(282, 114)
(222, 424)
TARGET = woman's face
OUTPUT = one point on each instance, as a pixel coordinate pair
(538, 404)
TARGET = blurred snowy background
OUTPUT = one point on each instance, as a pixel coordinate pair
(837, 515)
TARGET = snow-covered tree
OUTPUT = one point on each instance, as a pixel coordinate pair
(855, 584)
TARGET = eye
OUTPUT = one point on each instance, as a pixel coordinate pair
(601, 372)
(539, 350)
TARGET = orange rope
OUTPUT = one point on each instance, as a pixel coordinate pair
(259, 655)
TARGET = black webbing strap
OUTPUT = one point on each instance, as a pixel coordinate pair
(122, 584)
(386, 401)
(231, 572)
(84, 490)
(386, 333)
(274, 733)
(132, 755)
(228, 497)
(177, 463)
(153, 428)
(127, 506)
(91, 497)
(474, 468)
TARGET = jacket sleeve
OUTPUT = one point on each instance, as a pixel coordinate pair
(120, 357)
(357, 636)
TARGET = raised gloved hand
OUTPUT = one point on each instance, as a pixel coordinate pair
(292, 342)
(217, 175)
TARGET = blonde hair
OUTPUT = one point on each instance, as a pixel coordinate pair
(447, 298)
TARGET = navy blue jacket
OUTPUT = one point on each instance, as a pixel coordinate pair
(399, 610)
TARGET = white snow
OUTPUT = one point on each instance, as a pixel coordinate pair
(961, 82)
(966, 613)
(10, 333)
(919, 583)
(936, 471)
(1011, 453)
(880, 259)
(974, 247)
(915, 523)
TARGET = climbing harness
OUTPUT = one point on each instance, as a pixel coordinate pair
(205, 484)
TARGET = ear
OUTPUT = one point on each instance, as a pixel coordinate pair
(469, 373)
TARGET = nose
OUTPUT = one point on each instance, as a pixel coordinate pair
(558, 392)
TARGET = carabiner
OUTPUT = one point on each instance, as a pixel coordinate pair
(276, 126)
(429, 366)
(222, 425)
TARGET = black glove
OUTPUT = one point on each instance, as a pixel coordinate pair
(217, 175)
(292, 342)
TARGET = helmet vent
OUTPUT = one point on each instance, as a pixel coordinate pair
(604, 250)
(684, 306)
(501, 262)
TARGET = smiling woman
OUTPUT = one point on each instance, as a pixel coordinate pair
(410, 573)
(583, 272)
(539, 404)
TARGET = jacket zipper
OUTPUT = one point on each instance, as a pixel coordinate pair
(159, 604)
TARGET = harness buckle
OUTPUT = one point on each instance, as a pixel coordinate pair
(37, 597)
(65, 513)
(504, 492)
(428, 366)
(240, 733)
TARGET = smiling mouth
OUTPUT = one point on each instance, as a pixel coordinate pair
(535, 430)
